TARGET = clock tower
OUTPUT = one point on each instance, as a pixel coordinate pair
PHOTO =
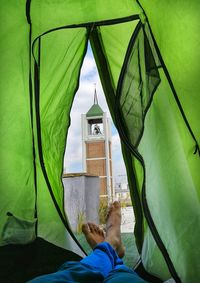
(97, 146)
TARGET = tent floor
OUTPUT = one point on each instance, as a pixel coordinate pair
(20, 263)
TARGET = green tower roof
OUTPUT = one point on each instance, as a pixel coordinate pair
(95, 110)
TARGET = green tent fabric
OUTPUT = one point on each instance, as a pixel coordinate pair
(147, 54)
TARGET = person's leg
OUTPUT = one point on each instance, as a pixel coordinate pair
(87, 269)
(105, 257)
(93, 268)
(71, 272)
(120, 272)
(122, 275)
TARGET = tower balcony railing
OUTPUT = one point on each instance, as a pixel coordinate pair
(96, 136)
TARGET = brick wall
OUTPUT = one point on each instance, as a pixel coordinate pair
(96, 167)
(95, 149)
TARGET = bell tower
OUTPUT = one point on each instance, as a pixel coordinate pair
(97, 146)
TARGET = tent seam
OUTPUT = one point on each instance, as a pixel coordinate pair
(90, 25)
(28, 6)
(37, 108)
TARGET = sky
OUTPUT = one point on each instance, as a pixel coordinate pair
(84, 99)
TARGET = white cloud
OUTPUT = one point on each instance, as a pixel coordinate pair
(116, 143)
(118, 163)
(88, 68)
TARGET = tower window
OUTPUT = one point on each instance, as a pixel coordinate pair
(95, 126)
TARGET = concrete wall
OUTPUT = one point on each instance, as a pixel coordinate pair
(81, 198)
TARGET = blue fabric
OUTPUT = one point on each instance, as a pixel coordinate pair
(123, 275)
(102, 265)
(104, 259)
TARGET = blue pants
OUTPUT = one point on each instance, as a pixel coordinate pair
(102, 265)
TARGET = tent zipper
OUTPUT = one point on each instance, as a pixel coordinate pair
(28, 6)
(37, 110)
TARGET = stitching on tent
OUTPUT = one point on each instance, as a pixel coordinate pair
(90, 25)
(37, 109)
(28, 6)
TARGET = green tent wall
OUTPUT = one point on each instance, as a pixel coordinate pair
(147, 54)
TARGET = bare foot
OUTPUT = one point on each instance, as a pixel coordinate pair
(93, 234)
(113, 234)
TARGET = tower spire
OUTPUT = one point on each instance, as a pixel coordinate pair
(95, 95)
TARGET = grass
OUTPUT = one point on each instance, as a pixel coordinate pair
(131, 255)
(103, 210)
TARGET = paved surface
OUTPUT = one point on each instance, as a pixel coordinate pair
(128, 220)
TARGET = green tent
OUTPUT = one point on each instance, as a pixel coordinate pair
(147, 54)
